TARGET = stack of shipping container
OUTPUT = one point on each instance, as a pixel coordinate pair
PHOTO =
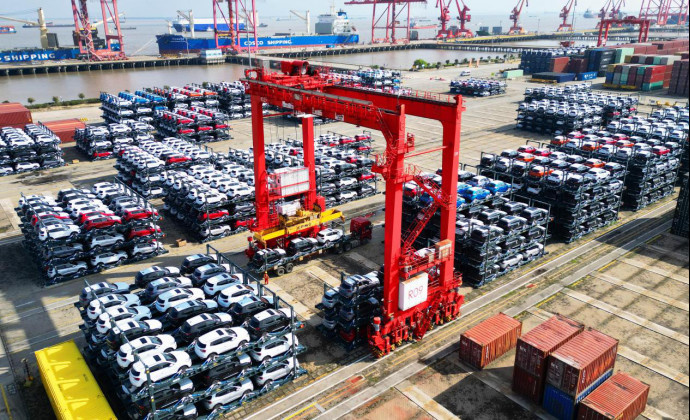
(678, 85)
(14, 115)
(576, 369)
(642, 72)
(537, 61)
(533, 350)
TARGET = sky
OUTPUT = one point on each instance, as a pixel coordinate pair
(56, 9)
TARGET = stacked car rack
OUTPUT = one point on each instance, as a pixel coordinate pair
(478, 87)
(349, 308)
(204, 388)
(31, 149)
(127, 106)
(80, 234)
(102, 142)
(584, 194)
(196, 123)
(681, 217)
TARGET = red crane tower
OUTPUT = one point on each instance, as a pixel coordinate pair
(306, 91)
(565, 13)
(397, 17)
(515, 17)
(665, 12)
(606, 24)
(83, 28)
(463, 18)
(236, 10)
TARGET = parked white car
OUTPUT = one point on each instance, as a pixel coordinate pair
(96, 307)
(228, 394)
(274, 373)
(221, 281)
(176, 296)
(329, 235)
(145, 346)
(117, 313)
(160, 366)
(235, 293)
(274, 348)
(220, 341)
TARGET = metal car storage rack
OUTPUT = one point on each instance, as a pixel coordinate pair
(478, 87)
(681, 216)
(41, 250)
(142, 403)
(125, 106)
(350, 333)
(240, 211)
(540, 119)
(37, 148)
(194, 123)
(614, 106)
(483, 251)
(102, 142)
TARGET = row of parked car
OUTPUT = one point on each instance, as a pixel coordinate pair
(100, 142)
(579, 190)
(199, 123)
(614, 106)
(33, 148)
(478, 87)
(82, 231)
(203, 333)
(557, 117)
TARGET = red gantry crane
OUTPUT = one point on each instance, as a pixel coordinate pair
(83, 27)
(515, 17)
(665, 12)
(564, 15)
(418, 291)
(241, 37)
(396, 14)
(463, 18)
(606, 24)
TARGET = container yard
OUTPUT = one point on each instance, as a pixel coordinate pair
(306, 242)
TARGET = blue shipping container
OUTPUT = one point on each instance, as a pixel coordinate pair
(12, 56)
(588, 75)
(563, 406)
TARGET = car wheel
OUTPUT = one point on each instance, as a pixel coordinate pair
(212, 356)
(266, 360)
(244, 396)
(100, 266)
(269, 384)
(81, 272)
(119, 242)
(242, 345)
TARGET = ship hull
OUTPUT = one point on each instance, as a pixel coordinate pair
(175, 44)
(203, 27)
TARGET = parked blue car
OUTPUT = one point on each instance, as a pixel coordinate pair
(462, 187)
(498, 187)
(475, 193)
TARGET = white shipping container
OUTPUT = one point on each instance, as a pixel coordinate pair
(289, 209)
(292, 181)
(413, 291)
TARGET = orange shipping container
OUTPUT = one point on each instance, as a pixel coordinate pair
(578, 363)
(489, 340)
(15, 115)
(65, 129)
(621, 397)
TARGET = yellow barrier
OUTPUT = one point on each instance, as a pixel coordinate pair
(70, 385)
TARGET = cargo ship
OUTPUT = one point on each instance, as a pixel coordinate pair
(7, 29)
(588, 14)
(201, 25)
(331, 29)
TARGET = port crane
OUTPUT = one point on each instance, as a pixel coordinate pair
(394, 15)
(605, 26)
(189, 15)
(306, 18)
(565, 13)
(516, 29)
(231, 16)
(83, 28)
(463, 18)
(307, 92)
(41, 23)
(665, 12)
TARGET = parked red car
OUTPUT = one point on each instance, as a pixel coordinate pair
(525, 157)
(527, 149)
(362, 137)
(143, 232)
(213, 215)
(243, 223)
(559, 141)
(139, 215)
(102, 222)
(660, 150)
(594, 163)
(542, 152)
(351, 159)
(102, 154)
(347, 140)
(365, 176)
(176, 159)
(363, 148)
(576, 135)
(84, 216)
